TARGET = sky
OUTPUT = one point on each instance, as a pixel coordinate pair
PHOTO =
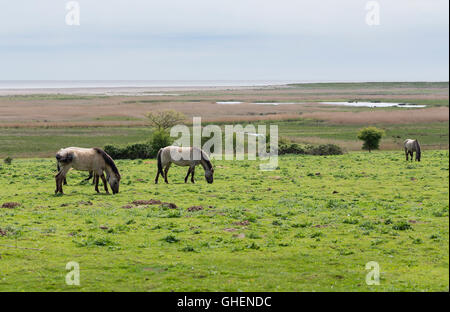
(309, 40)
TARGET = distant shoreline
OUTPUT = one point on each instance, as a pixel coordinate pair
(150, 87)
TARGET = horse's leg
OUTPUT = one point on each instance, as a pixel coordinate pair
(59, 169)
(192, 174)
(166, 170)
(59, 178)
(91, 174)
(96, 182)
(411, 154)
(157, 175)
(105, 185)
(189, 172)
(406, 153)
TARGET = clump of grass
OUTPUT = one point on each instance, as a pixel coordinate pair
(367, 226)
(316, 235)
(350, 221)
(92, 241)
(171, 239)
(402, 226)
(188, 249)
(254, 246)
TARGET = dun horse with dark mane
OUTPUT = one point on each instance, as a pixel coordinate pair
(87, 159)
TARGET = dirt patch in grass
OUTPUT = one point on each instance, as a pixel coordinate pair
(10, 205)
(195, 208)
(169, 205)
(146, 202)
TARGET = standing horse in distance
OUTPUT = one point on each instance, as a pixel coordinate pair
(87, 159)
(188, 157)
(412, 146)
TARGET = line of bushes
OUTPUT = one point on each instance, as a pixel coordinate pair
(161, 139)
(321, 150)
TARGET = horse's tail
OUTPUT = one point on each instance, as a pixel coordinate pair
(160, 168)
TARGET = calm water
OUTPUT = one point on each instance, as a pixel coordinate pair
(57, 84)
(371, 104)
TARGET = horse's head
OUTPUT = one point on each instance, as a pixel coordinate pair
(209, 175)
(114, 182)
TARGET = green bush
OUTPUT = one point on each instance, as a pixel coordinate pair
(159, 140)
(8, 160)
(371, 137)
(323, 149)
(291, 148)
(133, 151)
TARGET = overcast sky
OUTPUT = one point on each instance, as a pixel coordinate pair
(307, 40)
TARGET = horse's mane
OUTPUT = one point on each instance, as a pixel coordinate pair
(416, 143)
(108, 160)
(207, 161)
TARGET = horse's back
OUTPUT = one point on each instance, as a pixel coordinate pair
(84, 159)
(408, 143)
(182, 156)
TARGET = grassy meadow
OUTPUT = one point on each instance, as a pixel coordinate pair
(311, 225)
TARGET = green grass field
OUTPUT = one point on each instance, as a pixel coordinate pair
(312, 225)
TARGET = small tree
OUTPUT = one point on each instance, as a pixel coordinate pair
(163, 120)
(8, 160)
(371, 137)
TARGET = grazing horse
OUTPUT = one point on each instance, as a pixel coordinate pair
(412, 146)
(87, 159)
(184, 156)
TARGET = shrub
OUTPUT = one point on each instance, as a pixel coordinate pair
(140, 150)
(324, 149)
(133, 151)
(371, 137)
(8, 160)
(291, 148)
(159, 140)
